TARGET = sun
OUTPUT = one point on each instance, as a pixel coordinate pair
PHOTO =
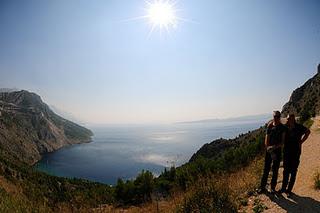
(162, 14)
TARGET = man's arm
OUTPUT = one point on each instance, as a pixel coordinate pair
(305, 136)
(267, 140)
(283, 138)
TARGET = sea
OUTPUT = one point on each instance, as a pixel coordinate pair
(123, 151)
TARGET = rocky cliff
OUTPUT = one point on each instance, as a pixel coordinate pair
(29, 128)
(305, 100)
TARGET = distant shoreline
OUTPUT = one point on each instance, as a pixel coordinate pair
(240, 118)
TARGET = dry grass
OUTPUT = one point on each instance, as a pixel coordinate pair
(10, 188)
(246, 180)
(12, 199)
(239, 184)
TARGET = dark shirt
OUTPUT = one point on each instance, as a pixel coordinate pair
(275, 133)
(293, 139)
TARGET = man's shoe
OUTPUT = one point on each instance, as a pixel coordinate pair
(282, 191)
(289, 194)
(273, 191)
(262, 191)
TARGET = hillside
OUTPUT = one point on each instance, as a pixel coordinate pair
(216, 147)
(29, 128)
(227, 158)
(305, 100)
(24, 189)
(220, 177)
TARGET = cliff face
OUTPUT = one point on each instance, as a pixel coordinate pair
(29, 128)
(305, 100)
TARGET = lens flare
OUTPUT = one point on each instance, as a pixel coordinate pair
(162, 14)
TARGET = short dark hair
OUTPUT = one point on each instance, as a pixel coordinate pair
(291, 114)
(276, 114)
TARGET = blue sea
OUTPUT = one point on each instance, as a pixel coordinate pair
(122, 151)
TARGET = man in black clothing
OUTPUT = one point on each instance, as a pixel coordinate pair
(275, 137)
(297, 134)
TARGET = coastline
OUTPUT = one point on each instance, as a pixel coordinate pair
(124, 152)
(62, 147)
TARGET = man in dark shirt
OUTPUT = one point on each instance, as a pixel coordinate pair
(297, 134)
(275, 137)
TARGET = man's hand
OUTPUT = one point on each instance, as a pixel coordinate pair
(271, 148)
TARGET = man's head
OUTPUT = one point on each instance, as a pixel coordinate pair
(291, 119)
(276, 117)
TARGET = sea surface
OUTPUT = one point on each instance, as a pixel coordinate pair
(122, 151)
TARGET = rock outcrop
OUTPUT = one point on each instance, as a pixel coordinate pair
(305, 100)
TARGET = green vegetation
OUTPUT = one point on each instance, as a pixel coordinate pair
(49, 193)
(308, 123)
(209, 198)
(308, 111)
(39, 192)
(258, 206)
(44, 192)
(135, 191)
(228, 160)
(213, 181)
(14, 204)
(316, 179)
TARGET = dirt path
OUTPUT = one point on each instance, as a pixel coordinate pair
(305, 198)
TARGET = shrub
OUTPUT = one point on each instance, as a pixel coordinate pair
(258, 206)
(208, 198)
(308, 123)
(307, 112)
(144, 185)
(316, 178)
(135, 191)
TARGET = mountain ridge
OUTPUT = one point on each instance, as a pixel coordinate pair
(197, 180)
(215, 120)
(305, 100)
(29, 128)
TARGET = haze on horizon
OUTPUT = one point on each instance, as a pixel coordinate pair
(234, 58)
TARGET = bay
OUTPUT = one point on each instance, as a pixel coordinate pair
(122, 151)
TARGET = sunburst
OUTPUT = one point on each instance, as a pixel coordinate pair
(162, 14)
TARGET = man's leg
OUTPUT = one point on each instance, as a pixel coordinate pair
(286, 171)
(293, 174)
(266, 170)
(275, 170)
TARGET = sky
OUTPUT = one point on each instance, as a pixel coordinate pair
(92, 59)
